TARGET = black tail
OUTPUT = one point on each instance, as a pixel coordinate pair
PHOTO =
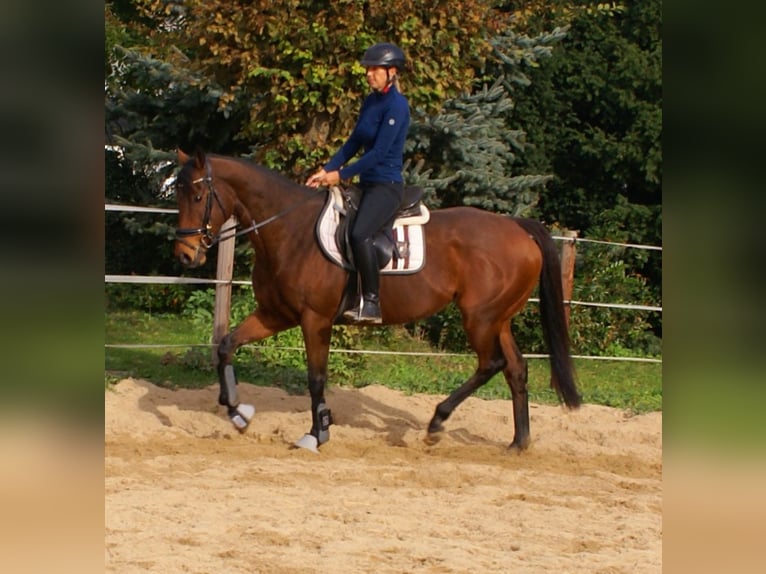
(555, 329)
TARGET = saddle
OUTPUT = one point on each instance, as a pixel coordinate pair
(384, 241)
(399, 245)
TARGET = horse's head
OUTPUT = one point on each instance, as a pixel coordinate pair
(201, 210)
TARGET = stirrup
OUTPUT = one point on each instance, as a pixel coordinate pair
(352, 313)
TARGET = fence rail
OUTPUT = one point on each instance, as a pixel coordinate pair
(370, 352)
(173, 280)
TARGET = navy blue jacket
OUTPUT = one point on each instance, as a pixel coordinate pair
(380, 131)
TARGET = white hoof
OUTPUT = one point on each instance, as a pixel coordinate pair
(309, 442)
(243, 416)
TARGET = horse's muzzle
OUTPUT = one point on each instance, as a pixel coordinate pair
(190, 256)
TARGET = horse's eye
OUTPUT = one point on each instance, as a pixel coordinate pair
(197, 197)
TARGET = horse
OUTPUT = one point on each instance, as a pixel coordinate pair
(487, 263)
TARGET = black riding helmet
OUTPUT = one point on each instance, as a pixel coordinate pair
(383, 54)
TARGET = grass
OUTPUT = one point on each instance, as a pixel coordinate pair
(185, 360)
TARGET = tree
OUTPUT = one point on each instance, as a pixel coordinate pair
(471, 154)
(594, 113)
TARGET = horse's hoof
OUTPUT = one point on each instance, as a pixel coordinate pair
(241, 415)
(309, 442)
(432, 438)
(518, 446)
(435, 426)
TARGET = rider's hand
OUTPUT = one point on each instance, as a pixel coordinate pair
(332, 178)
(323, 177)
(317, 179)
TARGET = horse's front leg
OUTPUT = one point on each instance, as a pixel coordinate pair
(254, 328)
(317, 332)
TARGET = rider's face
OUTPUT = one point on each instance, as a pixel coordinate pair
(377, 77)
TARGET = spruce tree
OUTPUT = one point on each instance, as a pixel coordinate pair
(472, 152)
(471, 149)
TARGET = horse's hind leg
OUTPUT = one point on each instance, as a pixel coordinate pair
(491, 362)
(255, 327)
(515, 372)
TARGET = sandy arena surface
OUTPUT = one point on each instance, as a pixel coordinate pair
(185, 492)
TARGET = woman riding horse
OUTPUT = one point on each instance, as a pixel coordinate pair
(380, 131)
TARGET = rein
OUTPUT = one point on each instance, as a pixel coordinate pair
(208, 239)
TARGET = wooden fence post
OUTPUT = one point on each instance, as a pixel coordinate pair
(224, 272)
(567, 269)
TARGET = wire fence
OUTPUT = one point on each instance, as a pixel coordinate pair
(170, 280)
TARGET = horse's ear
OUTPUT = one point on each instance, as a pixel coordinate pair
(199, 158)
(182, 157)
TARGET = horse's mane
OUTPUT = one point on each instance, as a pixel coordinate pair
(270, 175)
(267, 177)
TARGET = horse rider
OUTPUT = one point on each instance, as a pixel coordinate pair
(380, 132)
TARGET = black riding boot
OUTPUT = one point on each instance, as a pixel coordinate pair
(366, 261)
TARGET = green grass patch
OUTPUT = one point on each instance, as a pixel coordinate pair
(636, 387)
(180, 358)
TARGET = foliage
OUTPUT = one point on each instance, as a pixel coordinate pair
(115, 34)
(122, 27)
(198, 308)
(603, 276)
(536, 15)
(280, 81)
(594, 111)
(443, 330)
(473, 152)
(601, 98)
(158, 104)
(280, 78)
(150, 298)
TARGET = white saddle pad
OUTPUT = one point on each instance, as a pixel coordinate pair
(408, 234)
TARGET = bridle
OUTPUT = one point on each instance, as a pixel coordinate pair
(208, 239)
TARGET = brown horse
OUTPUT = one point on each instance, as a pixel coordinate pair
(488, 264)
